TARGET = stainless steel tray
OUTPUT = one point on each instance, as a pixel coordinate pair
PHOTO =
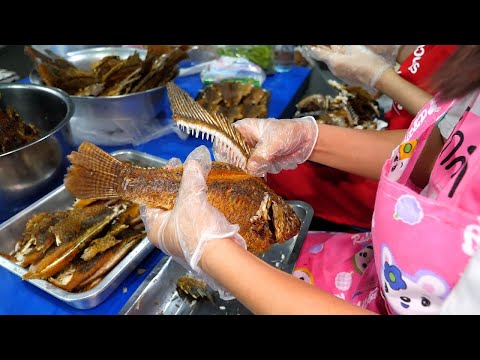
(157, 295)
(61, 199)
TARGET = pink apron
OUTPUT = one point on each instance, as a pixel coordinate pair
(421, 240)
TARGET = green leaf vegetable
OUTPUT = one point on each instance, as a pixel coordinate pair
(261, 55)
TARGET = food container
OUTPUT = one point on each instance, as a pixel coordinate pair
(31, 171)
(115, 120)
(157, 295)
(63, 50)
(61, 199)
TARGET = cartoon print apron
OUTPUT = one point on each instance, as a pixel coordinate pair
(421, 240)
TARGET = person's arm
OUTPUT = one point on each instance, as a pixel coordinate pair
(404, 52)
(264, 289)
(360, 152)
(393, 53)
(410, 96)
(363, 152)
(215, 251)
(283, 144)
(359, 65)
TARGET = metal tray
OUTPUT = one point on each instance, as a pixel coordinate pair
(157, 295)
(61, 199)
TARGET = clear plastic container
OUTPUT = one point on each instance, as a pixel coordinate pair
(283, 57)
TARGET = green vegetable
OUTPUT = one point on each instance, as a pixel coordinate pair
(261, 55)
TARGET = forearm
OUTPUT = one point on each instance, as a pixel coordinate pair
(264, 289)
(404, 52)
(409, 96)
(360, 152)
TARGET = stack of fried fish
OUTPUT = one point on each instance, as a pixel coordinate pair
(110, 76)
(14, 132)
(352, 107)
(75, 249)
(235, 100)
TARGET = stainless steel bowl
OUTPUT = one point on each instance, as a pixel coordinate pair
(63, 50)
(113, 120)
(31, 171)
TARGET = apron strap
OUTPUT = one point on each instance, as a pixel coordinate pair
(418, 133)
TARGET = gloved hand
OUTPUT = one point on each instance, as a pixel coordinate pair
(183, 231)
(277, 144)
(354, 64)
(388, 52)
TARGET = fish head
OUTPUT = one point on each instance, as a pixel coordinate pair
(275, 220)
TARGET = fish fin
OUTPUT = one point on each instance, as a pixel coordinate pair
(192, 117)
(35, 54)
(94, 173)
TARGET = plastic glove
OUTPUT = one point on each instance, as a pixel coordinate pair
(388, 52)
(183, 231)
(278, 144)
(354, 64)
(173, 163)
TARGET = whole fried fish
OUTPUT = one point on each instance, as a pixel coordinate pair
(264, 217)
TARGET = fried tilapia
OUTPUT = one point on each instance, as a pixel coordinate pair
(264, 217)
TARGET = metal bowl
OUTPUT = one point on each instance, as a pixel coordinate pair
(31, 171)
(113, 120)
(63, 50)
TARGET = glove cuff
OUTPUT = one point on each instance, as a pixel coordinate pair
(224, 294)
(374, 79)
(392, 57)
(312, 123)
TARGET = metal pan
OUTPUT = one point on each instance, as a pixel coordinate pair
(113, 120)
(157, 295)
(61, 199)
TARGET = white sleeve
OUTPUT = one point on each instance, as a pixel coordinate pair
(447, 125)
(464, 299)
(451, 118)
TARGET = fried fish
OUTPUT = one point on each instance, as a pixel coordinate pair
(264, 217)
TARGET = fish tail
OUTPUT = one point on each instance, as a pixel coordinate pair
(94, 173)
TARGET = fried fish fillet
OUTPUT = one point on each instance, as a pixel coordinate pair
(80, 273)
(37, 237)
(72, 234)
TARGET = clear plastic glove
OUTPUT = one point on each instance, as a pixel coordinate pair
(354, 64)
(183, 231)
(277, 144)
(173, 163)
(388, 52)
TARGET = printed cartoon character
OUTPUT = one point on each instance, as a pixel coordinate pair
(422, 293)
(304, 274)
(400, 158)
(408, 210)
(471, 239)
(362, 258)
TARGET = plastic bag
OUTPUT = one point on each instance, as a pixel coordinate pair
(130, 119)
(121, 132)
(228, 68)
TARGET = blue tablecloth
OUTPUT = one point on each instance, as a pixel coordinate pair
(21, 297)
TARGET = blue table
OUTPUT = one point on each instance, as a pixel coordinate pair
(21, 297)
